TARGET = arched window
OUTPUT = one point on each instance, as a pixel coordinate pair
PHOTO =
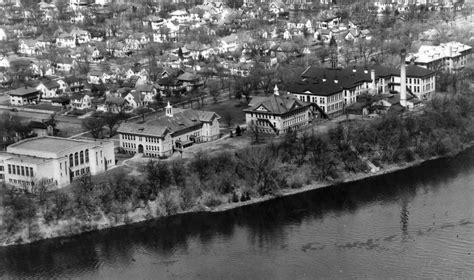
(82, 157)
(87, 156)
(71, 162)
(76, 159)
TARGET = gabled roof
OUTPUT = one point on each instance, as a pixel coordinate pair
(276, 104)
(177, 124)
(187, 77)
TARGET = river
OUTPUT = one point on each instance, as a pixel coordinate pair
(417, 223)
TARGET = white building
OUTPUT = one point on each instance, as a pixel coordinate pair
(279, 113)
(451, 57)
(56, 161)
(334, 89)
(178, 129)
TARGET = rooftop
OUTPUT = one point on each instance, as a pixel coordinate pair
(47, 144)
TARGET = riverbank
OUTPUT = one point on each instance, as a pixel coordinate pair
(154, 210)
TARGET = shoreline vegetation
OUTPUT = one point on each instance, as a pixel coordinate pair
(293, 164)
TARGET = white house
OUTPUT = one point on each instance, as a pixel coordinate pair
(229, 43)
(81, 101)
(3, 35)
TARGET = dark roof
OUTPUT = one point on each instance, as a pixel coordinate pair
(180, 121)
(24, 91)
(276, 104)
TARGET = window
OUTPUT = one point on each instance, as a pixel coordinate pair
(81, 155)
(18, 170)
(1, 167)
(87, 156)
(71, 163)
(9, 169)
(31, 172)
(76, 158)
(22, 171)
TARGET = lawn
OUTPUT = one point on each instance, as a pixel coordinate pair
(45, 106)
(229, 109)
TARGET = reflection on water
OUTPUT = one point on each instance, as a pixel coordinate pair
(415, 223)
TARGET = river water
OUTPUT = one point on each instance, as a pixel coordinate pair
(417, 223)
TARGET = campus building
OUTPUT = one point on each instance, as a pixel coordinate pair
(280, 113)
(451, 57)
(53, 160)
(176, 130)
(333, 89)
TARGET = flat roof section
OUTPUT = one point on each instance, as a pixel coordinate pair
(48, 144)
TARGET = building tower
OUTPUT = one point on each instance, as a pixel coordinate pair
(169, 110)
(403, 79)
(275, 90)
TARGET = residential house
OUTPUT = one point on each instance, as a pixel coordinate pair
(24, 96)
(228, 43)
(4, 62)
(80, 35)
(49, 89)
(3, 34)
(148, 93)
(81, 101)
(176, 130)
(277, 7)
(66, 64)
(134, 99)
(74, 84)
(65, 40)
(277, 113)
(28, 47)
(190, 81)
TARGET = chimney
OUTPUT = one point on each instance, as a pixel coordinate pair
(169, 110)
(275, 90)
(403, 79)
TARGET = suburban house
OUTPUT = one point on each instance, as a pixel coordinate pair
(49, 89)
(3, 34)
(4, 62)
(229, 43)
(24, 96)
(65, 40)
(280, 113)
(74, 84)
(451, 57)
(190, 80)
(147, 92)
(28, 47)
(81, 101)
(176, 130)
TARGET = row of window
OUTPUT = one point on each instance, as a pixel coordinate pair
(294, 120)
(337, 106)
(128, 137)
(20, 170)
(152, 148)
(78, 158)
(21, 182)
(129, 145)
(81, 171)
